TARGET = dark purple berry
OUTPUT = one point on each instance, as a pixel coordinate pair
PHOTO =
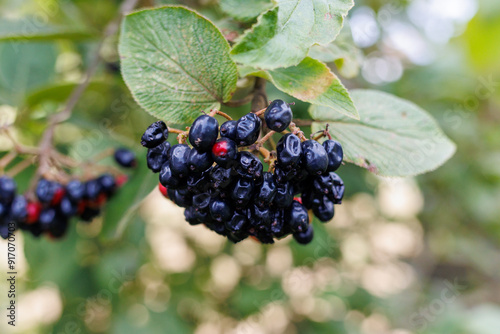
(237, 222)
(288, 150)
(201, 201)
(199, 161)
(18, 209)
(154, 135)
(228, 129)
(191, 216)
(203, 133)
(335, 154)
(67, 207)
(248, 165)
(47, 217)
(266, 191)
(157, 156)
(108, 183)
(296, 217)
(242, 192)
(278, 115)
(167, 178)
(284, 195)
(337, 192)
(92, 189)
(325, 210)
(315, 158)
(220, 177)
(220, 210)
(178, 160)
(8, 189)
(125, 158)
(247, 129)
(305, 237)
(75, 190)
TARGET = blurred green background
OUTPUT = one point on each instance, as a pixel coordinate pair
(402, 256)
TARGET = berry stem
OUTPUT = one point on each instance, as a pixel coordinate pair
(296, 131)
(303, 122)
(265, 138)
(7, 159)
(223, 114)
(172, 130)
(260, 112)
(20, 167)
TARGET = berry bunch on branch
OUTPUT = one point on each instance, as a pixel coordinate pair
(221, 181)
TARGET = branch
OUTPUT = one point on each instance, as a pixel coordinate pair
(46, 143)
(259, 99)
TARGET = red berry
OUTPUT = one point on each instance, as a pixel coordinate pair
(121, 180)
(58, 196)
(163, 190)
(225, 152)
(34, 209)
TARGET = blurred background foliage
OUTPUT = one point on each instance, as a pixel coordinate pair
(401, 256)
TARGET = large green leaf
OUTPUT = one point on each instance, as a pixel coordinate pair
(245, 10)
(283, 35)
(393, 138)
(176, 63)
(312, 81)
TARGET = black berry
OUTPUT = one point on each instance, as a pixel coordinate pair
(154, 135)
(278, 115)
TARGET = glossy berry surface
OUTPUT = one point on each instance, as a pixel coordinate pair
(8, 189)
(157, 156)
(278, 115)
(305, 237)
(225, 152)
(154, 135)
(228, 129)
(203, 133)
(125, 158)
(248, 165)
(335, 154)
(247, 129)
(288, 150)
(178, 161)
(315, 157)
(240, 188)
(199, 161)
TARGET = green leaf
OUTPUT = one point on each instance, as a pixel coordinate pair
(343, 52)
(28, 30)
(176, 63)
(244, 10)
(393, 138)
(24, 67)
(283, 35)
(312, 81)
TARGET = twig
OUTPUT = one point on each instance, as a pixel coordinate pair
(46, 143)
(303, 122)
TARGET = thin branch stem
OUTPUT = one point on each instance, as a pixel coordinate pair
(46, 143)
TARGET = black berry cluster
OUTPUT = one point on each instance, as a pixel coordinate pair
(49, 209)
(222, 184)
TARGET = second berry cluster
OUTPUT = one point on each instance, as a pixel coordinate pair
(221, 182)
